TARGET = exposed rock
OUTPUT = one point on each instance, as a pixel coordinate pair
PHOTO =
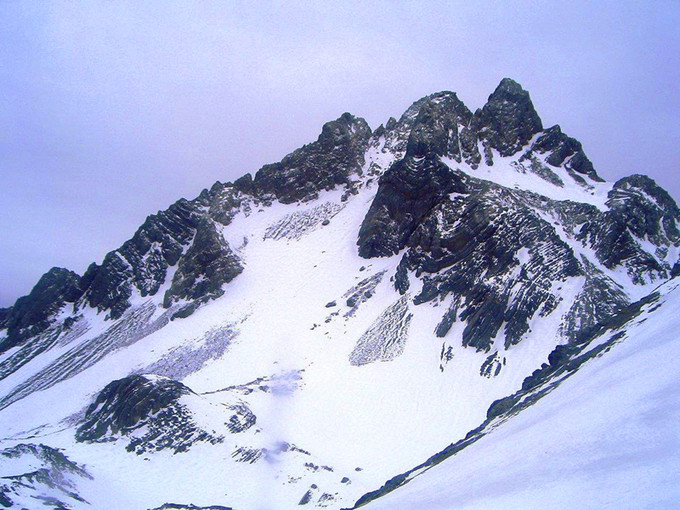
(244, 184)
(362, 292)
(494, 250)
(564, 149)
(142, 262)
(225, 201)
(599, 298)
(154, 413)
(492, 366)
(435, 129)
(126, 404)
(407, 192)
(438, 122)
(495, 255)
(508, 120)
(33, 314)
(207, 265)
(337, 154)
(639, 212)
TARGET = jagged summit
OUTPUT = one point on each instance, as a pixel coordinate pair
(508, 120)
(330, 161)
(34, 313)
(436, 126)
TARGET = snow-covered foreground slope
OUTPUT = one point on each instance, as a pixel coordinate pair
(606, 437)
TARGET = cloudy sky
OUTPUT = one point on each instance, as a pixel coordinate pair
(112, 111)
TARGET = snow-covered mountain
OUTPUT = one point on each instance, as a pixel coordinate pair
(301, 336)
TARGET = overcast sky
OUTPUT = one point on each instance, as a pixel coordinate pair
(112, 111)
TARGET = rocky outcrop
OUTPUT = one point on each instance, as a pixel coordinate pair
(126, 404)
(207, 265)
(337, 154)
(563, 150)
(496, 257)
(154, 413)
(407, 193)
(507, 121)
(33, 314)
(640, 215)
(496, 252)
(142, 262)
(436, 128)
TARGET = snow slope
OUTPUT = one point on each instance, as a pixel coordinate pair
(607, 437)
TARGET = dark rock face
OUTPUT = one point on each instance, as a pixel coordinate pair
(639, 211)
(207, 265)
(496, 256)
(322, 165)
(126, 404)
(32, 314)
(496, 253)
(141, 264)
(407, 192)
(438, 123)
(143, 261)
(508, 120)
(562, 148)
(435, 129)
(486, 245)
(495, 250)
(149, 412)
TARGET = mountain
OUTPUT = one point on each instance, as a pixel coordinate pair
(300, 336)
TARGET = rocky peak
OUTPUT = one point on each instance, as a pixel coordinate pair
(508, 120)
(322, 165)
(435, 128)
(640, 212)
(31, 314)
(407, 192)
(431, 123)
(142, 262)
(341, 131)
(564, 150)
(642, 188)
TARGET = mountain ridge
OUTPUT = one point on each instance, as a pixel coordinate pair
(179, 220)
(372, 288)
